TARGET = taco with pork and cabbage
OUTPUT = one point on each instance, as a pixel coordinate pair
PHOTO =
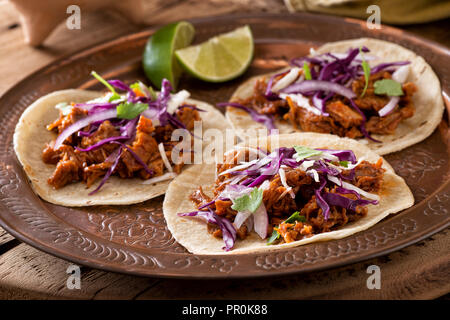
(375, 91)
(311, 187)
(81, 147)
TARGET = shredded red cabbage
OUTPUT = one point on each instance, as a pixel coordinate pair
(269, 94)
(116, 156)
(122, 86)
(319, 85)
(101, 142)
(343, 155)
(261, 170)
(363, 124)
(261, 118)
(335, 199)
(99, 112)
(321, 201)
(138, 159)
(80, 124)
(228, 230)
(383, 66)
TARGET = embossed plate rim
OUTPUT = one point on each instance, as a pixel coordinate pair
(222, 266)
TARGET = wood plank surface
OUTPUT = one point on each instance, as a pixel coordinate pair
(420, 271)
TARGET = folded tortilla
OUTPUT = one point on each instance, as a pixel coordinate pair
(31, 136)
(428, 101)
(193, 235)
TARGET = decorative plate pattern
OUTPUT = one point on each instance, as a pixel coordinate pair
(135, 239)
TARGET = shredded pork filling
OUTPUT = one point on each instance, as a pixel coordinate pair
(343, 120)
(280, 205)
(88, 166)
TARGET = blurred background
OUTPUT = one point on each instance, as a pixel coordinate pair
(42, 23)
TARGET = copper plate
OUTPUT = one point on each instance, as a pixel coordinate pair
(134, 239)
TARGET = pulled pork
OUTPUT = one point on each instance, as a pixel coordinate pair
(280, 205)
(343, 119)
(75, 165)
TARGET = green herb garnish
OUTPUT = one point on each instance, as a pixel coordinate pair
(248, 202)
(306, 71)
(275, 235)
(343, 163)
(294, 217)
(366, 68)
(389, 87)
(152, 93)
(137, 85)
(305, 152)
(129, 110)
(115, 95)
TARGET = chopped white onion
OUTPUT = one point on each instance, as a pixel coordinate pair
(249, 223)
(265, 185)
(301, 101)
(64, 108)
(261, 221)
(401, 74)
(290, 77)
(353, 188)
(231, 194)
(177, 100)
(315, 175)
(164, 157)
(389, 106)
(100, 116)
(307, 164)
(242, 166)
(352, 166)
(282, 174)
(241, 217)
(327, 156)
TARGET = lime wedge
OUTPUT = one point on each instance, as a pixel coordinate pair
(158, 59)
(221, 58)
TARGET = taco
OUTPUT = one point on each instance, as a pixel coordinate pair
(81, 147)
(306, 187)
(375, 91)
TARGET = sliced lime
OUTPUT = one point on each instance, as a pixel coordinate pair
(158, 59)
(221, 58)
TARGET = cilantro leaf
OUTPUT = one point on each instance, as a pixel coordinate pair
(305, 152)
(389, 87)
(135, 86)
(275, 235)
(343, 163)
(248, 202)
(366, 68)
(129, 110)
(294, 217)
(306, 71)
(115, 95)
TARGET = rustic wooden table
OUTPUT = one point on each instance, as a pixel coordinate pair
(420, 271)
